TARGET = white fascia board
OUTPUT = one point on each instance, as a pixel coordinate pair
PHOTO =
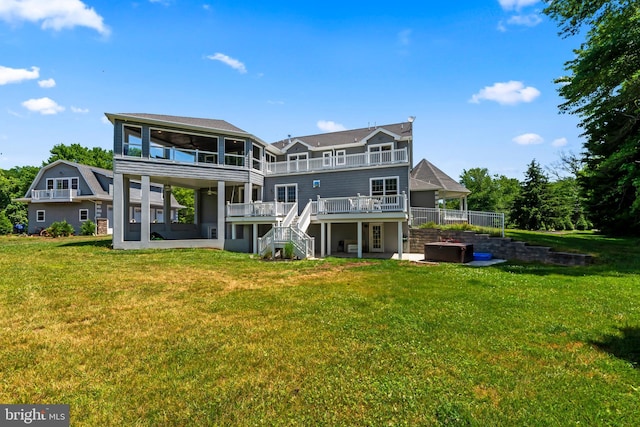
(155, 122)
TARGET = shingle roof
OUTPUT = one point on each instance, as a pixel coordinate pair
(428, 173)
(419, 185)
(347, 136)
(212, 124)
(89, 175)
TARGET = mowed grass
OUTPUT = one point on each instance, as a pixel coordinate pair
(204, 337)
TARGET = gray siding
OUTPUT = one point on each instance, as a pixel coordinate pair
(181, 170)
(54, 212)
(336, 183)
(63, 171)
(423, 199)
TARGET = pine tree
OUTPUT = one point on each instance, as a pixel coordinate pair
(531, 210)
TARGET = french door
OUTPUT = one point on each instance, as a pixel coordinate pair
(376, 237)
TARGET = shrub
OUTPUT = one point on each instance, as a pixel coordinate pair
(88, 228)
(429, 224)
(5, 225)
(288, 250)
(583, 224)
(60, 229)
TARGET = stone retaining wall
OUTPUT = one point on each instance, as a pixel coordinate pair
(499, 247)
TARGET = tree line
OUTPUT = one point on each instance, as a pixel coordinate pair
(541, 201)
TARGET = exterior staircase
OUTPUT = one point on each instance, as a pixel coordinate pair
(291, 231)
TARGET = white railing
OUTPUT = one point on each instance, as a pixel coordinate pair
(278, 237)
(338, 162)
(291, 215)
(66, 194)
(305, 217)
(275, 209)
(438, 216)
(362, 204)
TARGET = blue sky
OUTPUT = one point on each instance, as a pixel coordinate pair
(477, 74)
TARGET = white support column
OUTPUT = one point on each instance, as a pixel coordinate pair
(400, 242)
(166, 208)
(359, 239)
(328, 239)
(197, 201)
(145, 205)
(119, 216)
(221, 211)
(255, 238)
(247, 192)
(323, 226)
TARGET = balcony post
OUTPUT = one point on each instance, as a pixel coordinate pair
(359, 239)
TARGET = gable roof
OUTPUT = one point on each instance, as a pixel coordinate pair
(354, 137)
(427, 173)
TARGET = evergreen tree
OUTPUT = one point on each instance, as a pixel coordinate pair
(531, 208)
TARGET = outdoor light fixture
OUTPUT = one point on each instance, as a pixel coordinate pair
(411, 119)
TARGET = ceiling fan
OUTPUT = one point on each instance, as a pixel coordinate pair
(211, 192)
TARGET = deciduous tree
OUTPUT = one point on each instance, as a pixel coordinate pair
(603, 88)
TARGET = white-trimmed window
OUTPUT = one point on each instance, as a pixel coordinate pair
(380, 153)
(83, 215)
(287, 193)
(63, 183)
(341, 157)
(40, 216)
(297, 162)
(326, 158)
(384, 186)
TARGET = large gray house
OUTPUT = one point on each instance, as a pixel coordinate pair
(76, 193)
(343, 191)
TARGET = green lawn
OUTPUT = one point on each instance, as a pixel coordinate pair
(204, 337)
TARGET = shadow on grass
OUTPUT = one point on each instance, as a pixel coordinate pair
(625, 345)
(99, 243)
(598, 268)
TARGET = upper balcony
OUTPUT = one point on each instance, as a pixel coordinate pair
(349, 161)
(62, 195)
(158, 153)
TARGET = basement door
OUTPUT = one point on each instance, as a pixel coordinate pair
(376, 237)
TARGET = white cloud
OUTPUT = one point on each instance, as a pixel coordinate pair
(329, 126)
(54, 14)
(530, 20)
(559, 142)
(528, 139)
(48, 83)
(507, 93)
(45, 106)
(516, 4)
(79, 110)
(17, 75)
(231, 62)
